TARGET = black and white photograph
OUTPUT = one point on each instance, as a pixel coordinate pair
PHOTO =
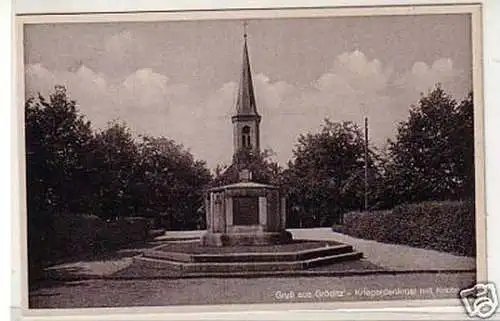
(251, 160)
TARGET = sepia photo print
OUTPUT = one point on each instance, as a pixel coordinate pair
(255, 157)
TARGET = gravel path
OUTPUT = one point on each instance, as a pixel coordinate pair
(387, 256)
(392, 256)
(94, 293)
(119, 293)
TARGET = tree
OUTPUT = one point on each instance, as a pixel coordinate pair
(58, 146)
(432, 157)
(263, 169)
(463, 145)
(172, 183)
(325, 178)
(115, 157)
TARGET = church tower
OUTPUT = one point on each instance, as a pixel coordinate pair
(246, 120)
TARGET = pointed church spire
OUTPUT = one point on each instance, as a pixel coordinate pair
(246, 121)
(245, 103)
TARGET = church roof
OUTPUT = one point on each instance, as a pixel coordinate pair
(245, 102)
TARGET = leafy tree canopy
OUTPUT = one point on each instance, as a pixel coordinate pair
(58, 142)
(325, 178)
(432, 157)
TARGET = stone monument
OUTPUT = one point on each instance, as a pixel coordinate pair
(246, 212)
(246, 220)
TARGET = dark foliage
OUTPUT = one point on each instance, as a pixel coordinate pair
(171, 184)
(441, 226)
(58, 148)
(263, 169)
(72, 171)
(115, 174)
(326, 176)
(432, 157)
(58, 143)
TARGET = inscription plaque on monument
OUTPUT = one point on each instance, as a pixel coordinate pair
(245, 210)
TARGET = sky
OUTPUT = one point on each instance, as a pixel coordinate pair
(179, 79)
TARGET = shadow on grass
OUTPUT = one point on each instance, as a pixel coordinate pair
(104, 254)
(56, 273)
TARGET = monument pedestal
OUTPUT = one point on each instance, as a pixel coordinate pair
(245, 236)
(245, 213)
(245, 239)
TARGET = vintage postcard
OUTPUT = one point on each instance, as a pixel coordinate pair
(313, 158)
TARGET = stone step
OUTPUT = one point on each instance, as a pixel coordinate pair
(251, 256)
(228, 267)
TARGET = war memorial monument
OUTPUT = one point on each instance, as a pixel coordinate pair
(246, 220)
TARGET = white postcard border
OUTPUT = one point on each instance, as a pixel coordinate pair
(152, 16)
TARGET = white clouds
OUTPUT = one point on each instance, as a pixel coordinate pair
(354, 87)
(150, 103)
(89, 79)
(270, 95)
(422, 77)
(352, 74)
(83, 82)
(101, 99)
(356, 67)
(146, 90)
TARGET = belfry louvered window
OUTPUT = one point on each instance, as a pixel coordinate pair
(245, 137)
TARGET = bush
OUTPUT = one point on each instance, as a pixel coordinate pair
(66, 235)
(72, 234)
(59, 236)
(442, 226)
(123, 232)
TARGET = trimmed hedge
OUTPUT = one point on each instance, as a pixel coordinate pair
(442, 226)
(123, 232)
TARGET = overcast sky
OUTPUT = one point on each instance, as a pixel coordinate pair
(179, 79)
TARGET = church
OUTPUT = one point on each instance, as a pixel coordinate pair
(239, 209)
(246, 218)
(246, 129)
(246, 121)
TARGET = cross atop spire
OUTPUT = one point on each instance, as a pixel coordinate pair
(245, 103)
(245, 25)
(246, 121)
